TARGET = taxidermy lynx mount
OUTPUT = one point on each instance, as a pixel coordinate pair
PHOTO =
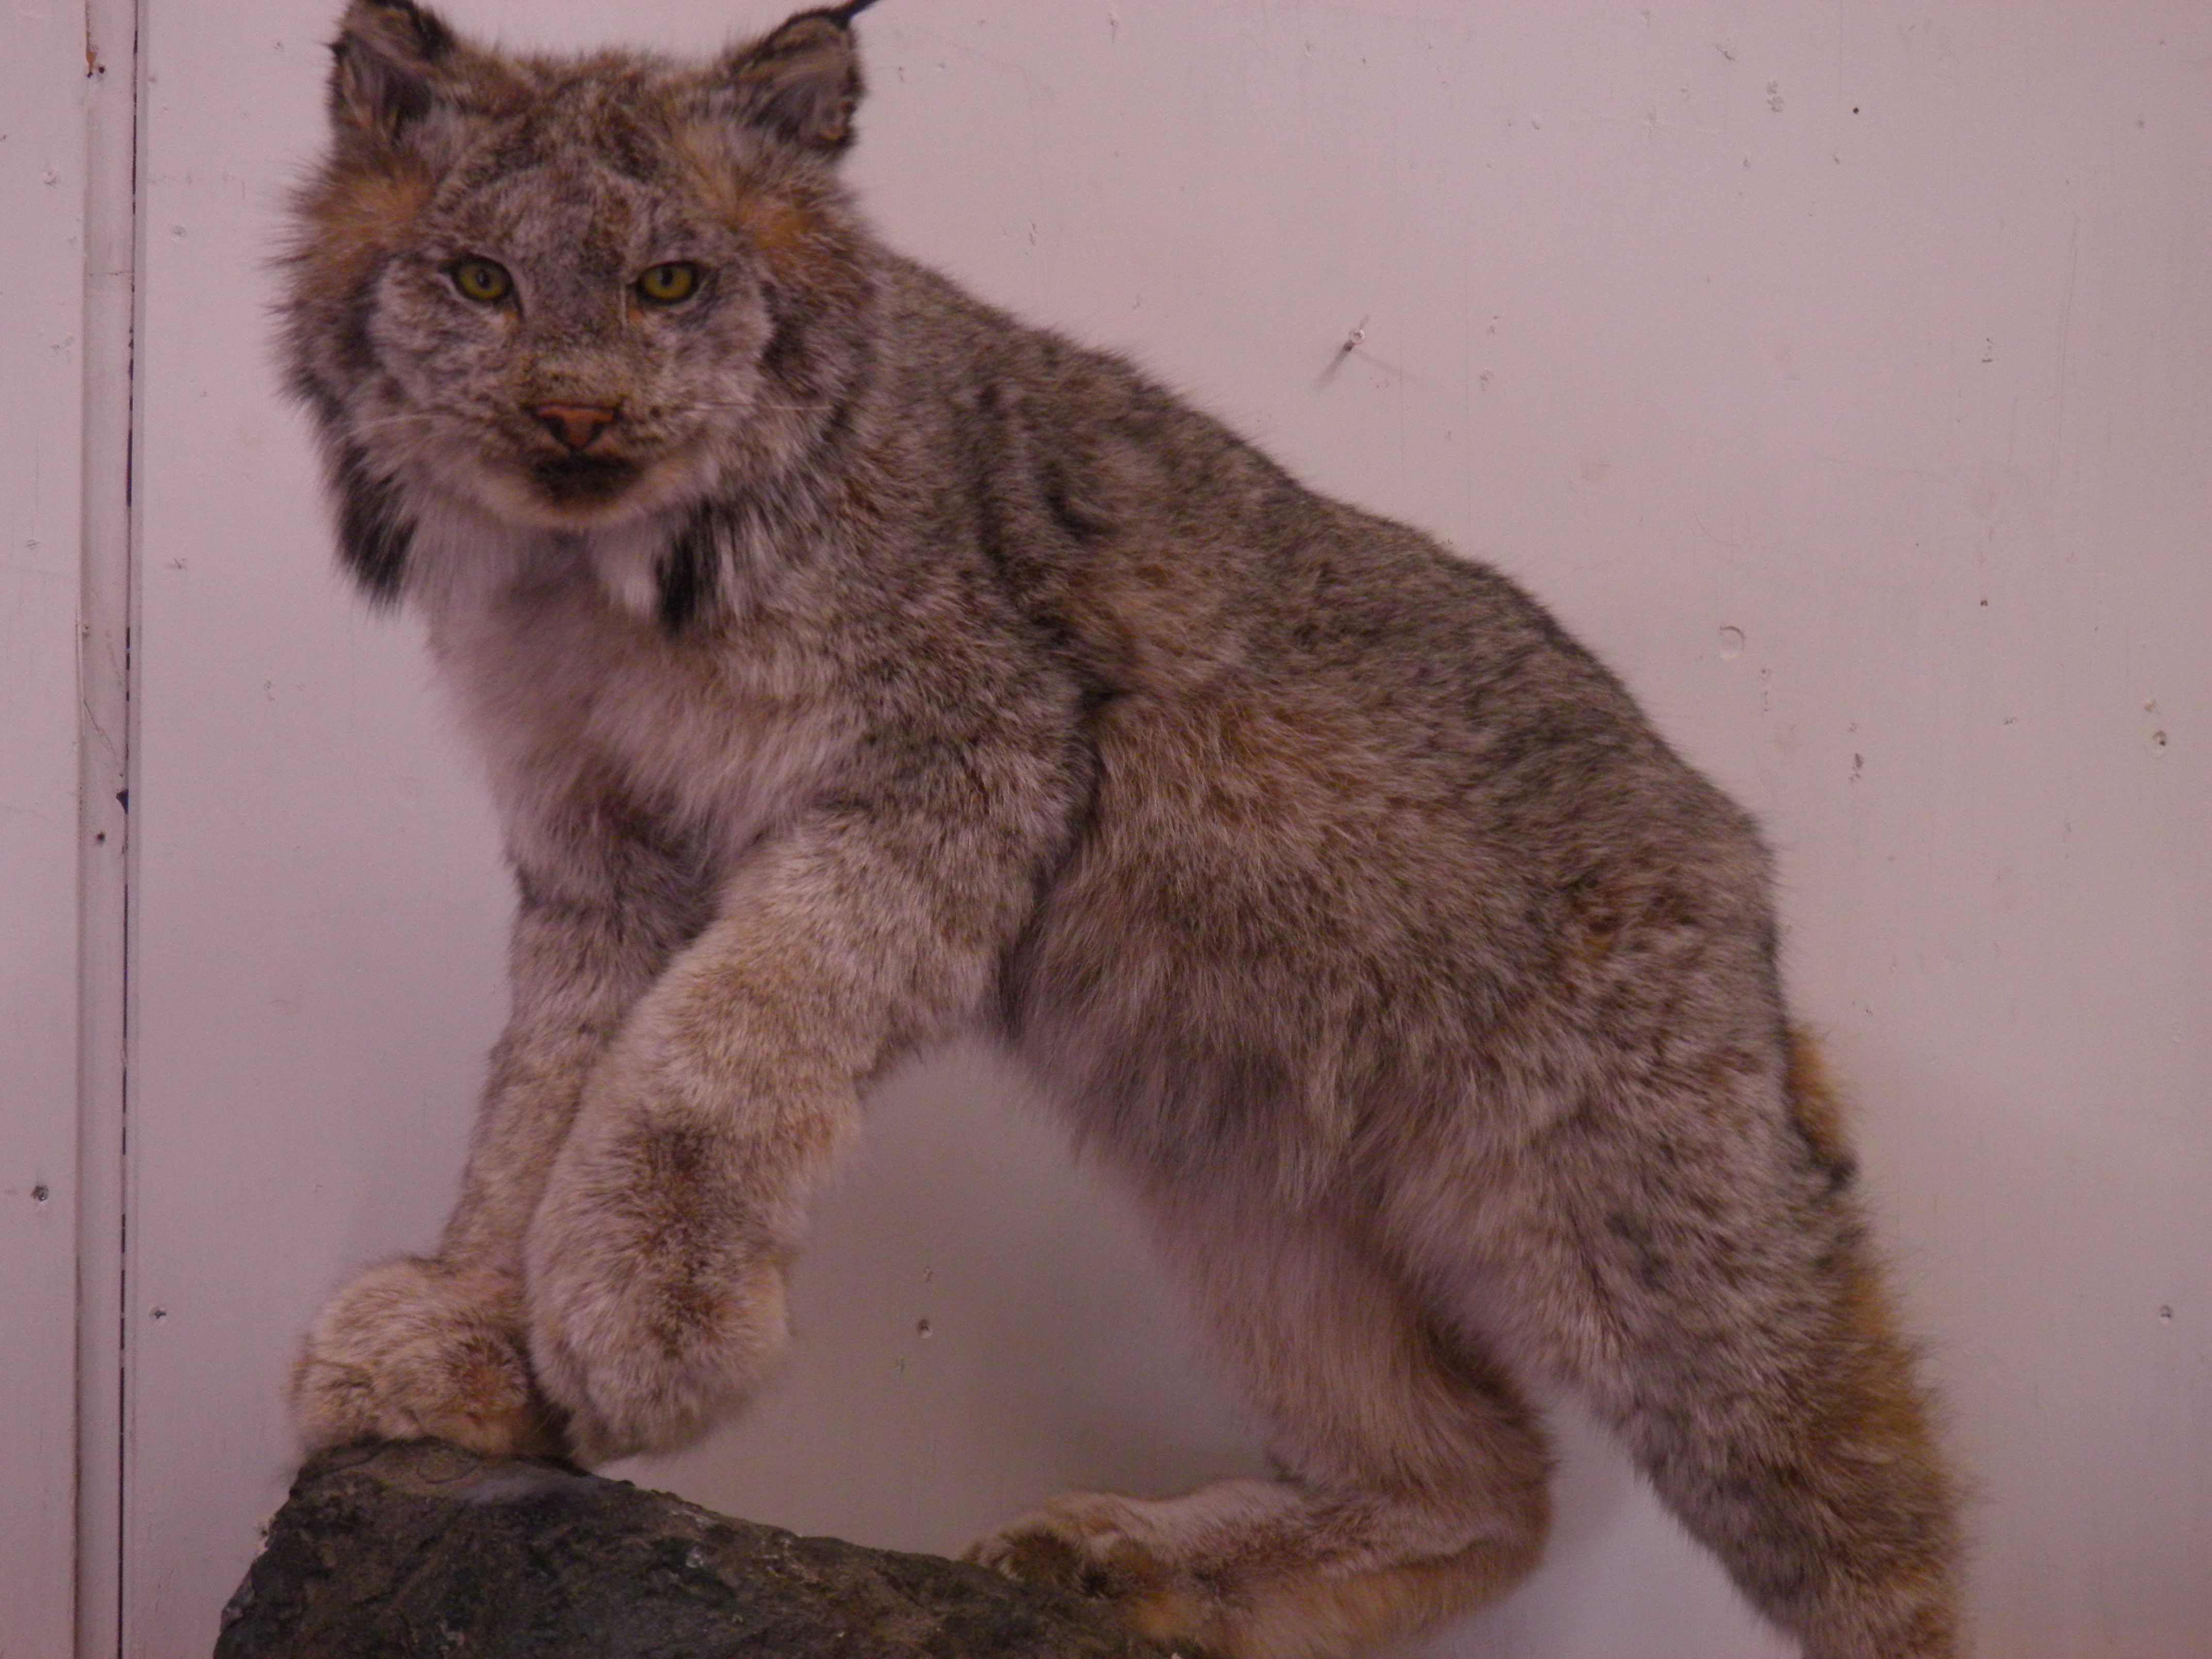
(856, 666)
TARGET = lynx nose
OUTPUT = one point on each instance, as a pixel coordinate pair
(575, 425)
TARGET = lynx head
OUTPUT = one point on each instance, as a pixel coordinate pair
(570, 293)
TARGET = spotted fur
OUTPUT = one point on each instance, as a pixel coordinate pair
(855, 666)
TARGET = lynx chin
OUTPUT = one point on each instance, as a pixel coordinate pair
(856, 666)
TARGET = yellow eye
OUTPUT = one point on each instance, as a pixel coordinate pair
(483, 281)
(665, 285)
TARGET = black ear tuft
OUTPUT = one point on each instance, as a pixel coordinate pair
(386, 68)
(801, 81)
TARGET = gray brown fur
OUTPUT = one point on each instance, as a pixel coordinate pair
(878, 667)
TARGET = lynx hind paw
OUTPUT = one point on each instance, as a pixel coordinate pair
(411, 1349)
(1073, 1544)
(1102, 1547)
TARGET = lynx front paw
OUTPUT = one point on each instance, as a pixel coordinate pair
(646, 1346)
(413, 1348)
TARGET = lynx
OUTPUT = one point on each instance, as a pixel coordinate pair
(856, 666)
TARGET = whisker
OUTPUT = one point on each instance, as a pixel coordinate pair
(754, 408)
(354, 427)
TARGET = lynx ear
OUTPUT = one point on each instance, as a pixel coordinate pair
(391, 63)
(801, 81)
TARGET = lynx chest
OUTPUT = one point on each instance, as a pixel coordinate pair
(570, 694)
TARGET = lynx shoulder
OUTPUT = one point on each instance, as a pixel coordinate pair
(855, 666)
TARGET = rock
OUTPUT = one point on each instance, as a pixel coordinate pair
(421, 1550)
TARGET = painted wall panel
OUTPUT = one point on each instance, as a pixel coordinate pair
(1843, 375)
(42, 203)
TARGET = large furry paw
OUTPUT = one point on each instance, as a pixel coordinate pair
(1160, 1562)
(1083, 1542)
(645, 1344)
(414, 1348)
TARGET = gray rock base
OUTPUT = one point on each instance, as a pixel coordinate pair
(423, 1551)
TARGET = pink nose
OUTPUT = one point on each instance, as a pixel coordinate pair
(575, 425)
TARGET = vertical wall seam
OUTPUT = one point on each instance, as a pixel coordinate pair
(106, 603)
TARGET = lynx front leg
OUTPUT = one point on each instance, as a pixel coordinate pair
(1416, 1476)
(437, 1346)
(656, 1261)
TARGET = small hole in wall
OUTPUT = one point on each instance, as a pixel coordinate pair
(40, 1193)
(2166, 1316)
(921, 1327)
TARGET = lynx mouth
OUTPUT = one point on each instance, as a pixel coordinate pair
(584, 480)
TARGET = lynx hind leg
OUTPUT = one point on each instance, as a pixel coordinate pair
(413, 1348)
(1749, 1362)
(1415, 1481)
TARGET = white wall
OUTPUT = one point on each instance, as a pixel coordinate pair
(1841, 373)
(42, 263)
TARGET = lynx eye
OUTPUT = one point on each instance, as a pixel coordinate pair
(668, 284)
(484, 281)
